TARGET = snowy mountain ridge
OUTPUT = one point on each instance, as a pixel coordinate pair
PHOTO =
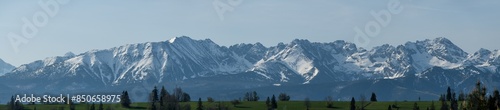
(298, 62)
(135, 62)
(300, 67)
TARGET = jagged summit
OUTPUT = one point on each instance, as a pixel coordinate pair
(482, 52)
(182, 38)
(69, 54)
(443, 40)
(300, 41)
(186, 39)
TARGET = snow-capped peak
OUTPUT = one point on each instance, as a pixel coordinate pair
(182, 39)
(172, 40)
(483, 57)
(442, 40)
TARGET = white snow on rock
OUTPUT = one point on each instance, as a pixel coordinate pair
(300, 61)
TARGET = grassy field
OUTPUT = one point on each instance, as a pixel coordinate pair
(290, 105)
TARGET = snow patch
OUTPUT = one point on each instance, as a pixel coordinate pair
(172, 40)
(434, 61)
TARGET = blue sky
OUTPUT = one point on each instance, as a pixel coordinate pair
(83, 25)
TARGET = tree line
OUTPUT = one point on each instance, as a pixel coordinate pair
(362, 100)
(477, 99)
(168, 101)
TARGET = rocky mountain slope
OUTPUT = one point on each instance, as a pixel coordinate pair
(5, 67)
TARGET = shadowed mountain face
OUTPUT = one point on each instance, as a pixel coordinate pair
(301, 68)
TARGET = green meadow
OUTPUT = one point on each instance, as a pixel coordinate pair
(282, 105)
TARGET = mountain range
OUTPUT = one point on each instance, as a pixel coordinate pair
(420, 69)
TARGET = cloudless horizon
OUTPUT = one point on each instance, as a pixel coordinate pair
(80, 26)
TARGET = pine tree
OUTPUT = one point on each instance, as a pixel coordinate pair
(448, 94)
(454, 104)
(18, 105)
(496, 97)
(491, 103)
(169, 102)
(476, 99)
(461, 96)
(307, 103)
(274, 104)
(11, 103)
(373, 98)
(163, 95)
(454, 96)
(14, 105)
(152, 106)
(125, 100)
(255, 96)
(101, 107)
(433, 107)
(353, 104)
(462, 106)
(415, 106)
(166, 103)
(247, 97)
(329, 102)
(200, 105)
(444, 106)
(154, 95)
(71, 105)
(268, 102)
(442, 97)
(92, 107)
(496, 94)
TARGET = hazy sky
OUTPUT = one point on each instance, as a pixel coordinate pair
(83, 25)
